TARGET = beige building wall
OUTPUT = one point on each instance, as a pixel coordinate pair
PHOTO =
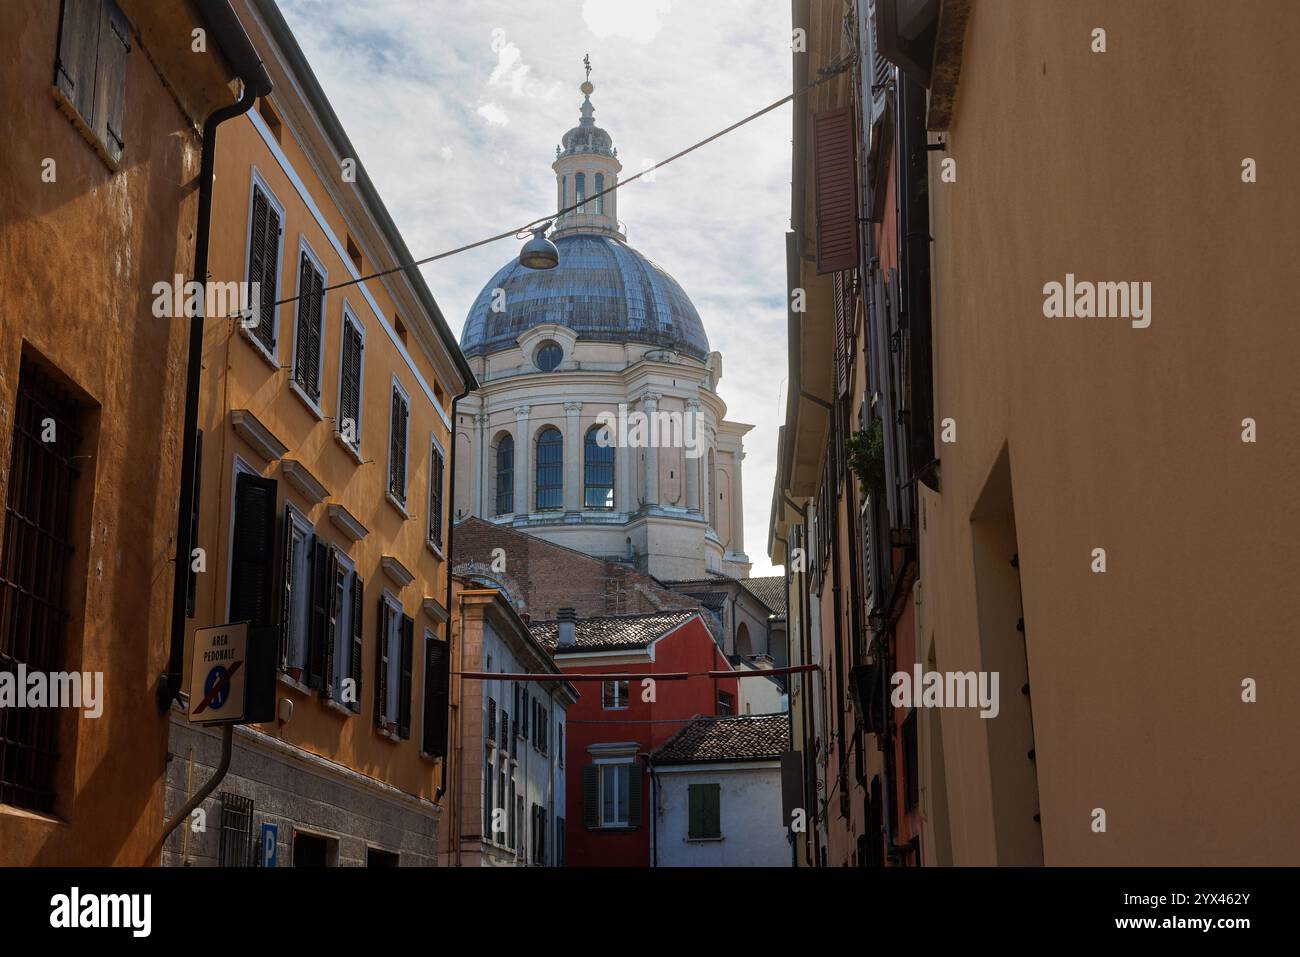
(1076, 434)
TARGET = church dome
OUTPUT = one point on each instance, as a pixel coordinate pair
(603, 289)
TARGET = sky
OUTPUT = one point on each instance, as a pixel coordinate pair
(456, 109)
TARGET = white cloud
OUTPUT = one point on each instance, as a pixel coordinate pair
(413, 83)
(638, 20)
(493, 113)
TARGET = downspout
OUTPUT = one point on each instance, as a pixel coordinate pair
(256, 84)
(789, 710)
(451, 532)
(654, 811)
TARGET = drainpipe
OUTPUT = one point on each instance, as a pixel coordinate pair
(654, 811)
(235, 44)
(451, 531)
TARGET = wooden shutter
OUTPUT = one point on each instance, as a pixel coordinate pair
(408, 672)
(334, 611)
(591, 795)
(835, 183)
(311, 305)
(350, 396)
(74, 70)
(358, 611)
(436, 679)
(634, 795)
(252, 572)
(322, 583)
(286, 585)
(397, 449)
(264, 264)
(841, 336)
(711, 810)
(381, 663)
(435, 496)
(110, 80)
(695, 811)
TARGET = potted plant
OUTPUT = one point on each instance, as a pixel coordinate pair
(391, 727)
(865, 450)
(294, 673)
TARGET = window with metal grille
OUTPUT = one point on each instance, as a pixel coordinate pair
(349, 423)
(505, 475)
(397, 433)
(310, 329)
(491, 719)
(598, 471)
(236, 842)
(35, 564)
(436, 478)
(550, 469)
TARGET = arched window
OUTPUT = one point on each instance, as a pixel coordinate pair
(550, 469)
(600, 188)
(505, 475)
(598, 470)
(580, 184)
(564, 191)
(743, 645)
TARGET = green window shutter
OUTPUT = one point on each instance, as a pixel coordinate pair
(711, 810)
(110, 80)
(695, 822)
(286, 586)
(634, 795)
(381, 664)
(591, 796)
(358, 606)
(74, 70)
(322, 581)
(407, 677)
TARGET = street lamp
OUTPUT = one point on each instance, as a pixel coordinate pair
(539, 252)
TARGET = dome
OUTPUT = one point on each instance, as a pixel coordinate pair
(603, 289)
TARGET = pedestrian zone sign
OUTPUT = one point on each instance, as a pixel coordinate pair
(218, 673)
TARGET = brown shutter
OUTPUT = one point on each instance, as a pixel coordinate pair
(836, 190)
(315, 331)
(358, 611)
(337, 579)
(397, 449)
(350, 397)
(407, 677)
(591, 796)
(74, 71)
(381, 663)
(110, 80)
(252, 574)
(841, 365)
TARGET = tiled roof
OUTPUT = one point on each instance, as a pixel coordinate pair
(613, 631)
(770, 590)
(749, 736)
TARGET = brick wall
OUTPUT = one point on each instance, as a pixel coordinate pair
(540, 577)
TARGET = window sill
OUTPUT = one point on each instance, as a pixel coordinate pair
(84, 128)
(313, 405)
(257, 345)
(397, 506)
(437, 550)
(392, 736)
(703, 840)
(615, 828)
(339, 708)
(296, 685)
(8, 810)
(347, 446)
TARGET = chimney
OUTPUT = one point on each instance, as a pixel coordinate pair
(568, 619)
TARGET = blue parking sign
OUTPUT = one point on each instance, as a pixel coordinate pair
(270, 844)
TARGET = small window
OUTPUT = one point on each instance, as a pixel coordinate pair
(580, 184)
(265, 229)
(271, 118)
(726, 703)
(393, 668)
(613, 695)
(377, 858)
(235, 847)
(90, 72)
(705, 822)
(549, 355)
(354, 253)
(399, 327)
(600, 188)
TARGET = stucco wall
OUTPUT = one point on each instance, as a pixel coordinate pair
(753, 833)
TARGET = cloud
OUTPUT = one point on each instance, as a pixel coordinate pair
(638, 20)
(418, 81)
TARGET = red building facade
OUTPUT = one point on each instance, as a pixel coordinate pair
(616, 725)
